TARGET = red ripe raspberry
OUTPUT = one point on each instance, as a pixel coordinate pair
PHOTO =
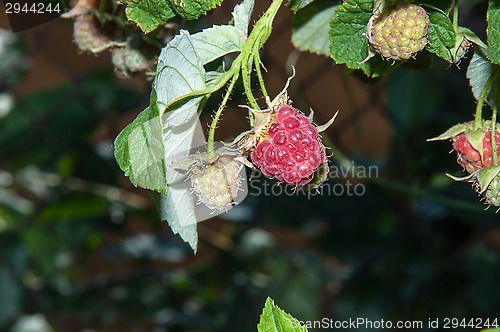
(470, 158)
(292, 149)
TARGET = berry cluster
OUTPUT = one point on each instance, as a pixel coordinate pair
(216, 184)
(94, 32)
(399, 33)
(492, 193)
(469, 157)
(214, 179)
(292, 149)
(474, 147)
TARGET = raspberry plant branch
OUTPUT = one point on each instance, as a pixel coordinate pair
(247, 85)
(204, 92)
(257, 38)
(244, 63)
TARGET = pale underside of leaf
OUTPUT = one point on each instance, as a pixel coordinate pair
(242, 14)
(310, 28)
(178, 62)
(217, 41)
(479, 71)
(178, 205)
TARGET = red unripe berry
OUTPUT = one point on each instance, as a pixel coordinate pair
(470, 158)
(292, 150)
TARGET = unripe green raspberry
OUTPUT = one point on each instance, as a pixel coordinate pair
(133, 57)
(216, 184)
(88, 36)
(492, 194)
(399, 33)
(486, 182)
(214, 179)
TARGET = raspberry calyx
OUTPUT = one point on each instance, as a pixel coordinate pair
(486, 182)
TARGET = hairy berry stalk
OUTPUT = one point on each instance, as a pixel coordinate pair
(213, 125)
(478, 120)
(244, 63)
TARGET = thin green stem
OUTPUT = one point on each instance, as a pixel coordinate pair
(259, 35)
(251, 118)
(493, 135)
(246, 69)
(478, 120)
(244, 62)
(235, 68)
(259, 74)
(213, 125)
(455, 15)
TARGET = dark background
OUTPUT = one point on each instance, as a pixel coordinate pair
(81, 249)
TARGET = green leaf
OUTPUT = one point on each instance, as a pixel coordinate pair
(147, 155)
(149, 14)
(178, 205)
(479, 71)
(310, 27)
(493, 31)
(179, 62)
(273, 319)
(444, 5)
(441, 35)
(139, 151)
(179, 72)
(485, 176)
(242, 14)
(298, 4)
(464, 39)
(349, 44)
(471, 36)
(164, 132)
(215, 42)
(192, 9)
